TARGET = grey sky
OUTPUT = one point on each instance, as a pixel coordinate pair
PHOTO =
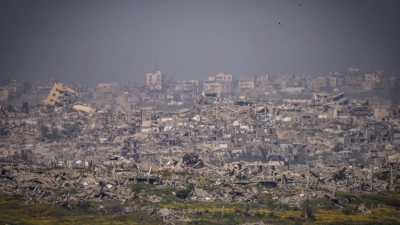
(96, 41)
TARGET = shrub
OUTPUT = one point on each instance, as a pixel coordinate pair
(308, 210)
(114, 208)
(260, 214)
(70, 129)
(43, 130)
(183, 194)
(340, 175)
(297, 222)
(139, 187)
(348, 210)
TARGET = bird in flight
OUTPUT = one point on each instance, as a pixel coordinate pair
(279, 23)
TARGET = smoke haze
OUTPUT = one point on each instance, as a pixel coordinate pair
(120, 41)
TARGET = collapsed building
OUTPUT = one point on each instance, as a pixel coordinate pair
(61, 95)
(289, 147)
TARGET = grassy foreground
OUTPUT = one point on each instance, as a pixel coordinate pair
(13, 210)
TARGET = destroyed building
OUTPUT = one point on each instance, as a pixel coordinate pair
(308, 149)
(60, 95)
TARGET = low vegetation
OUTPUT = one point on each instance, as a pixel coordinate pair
(316, 211)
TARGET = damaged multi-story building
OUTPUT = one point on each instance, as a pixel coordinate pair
(60, 95)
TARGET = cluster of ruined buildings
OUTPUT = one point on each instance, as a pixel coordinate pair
(165, 93)
(326, 142)
(264, 86)
(214, 127)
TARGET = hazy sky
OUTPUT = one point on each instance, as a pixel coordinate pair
(96, 41)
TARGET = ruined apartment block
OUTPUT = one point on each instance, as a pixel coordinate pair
(155, 81)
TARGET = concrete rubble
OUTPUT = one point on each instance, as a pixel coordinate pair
(74, 152)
